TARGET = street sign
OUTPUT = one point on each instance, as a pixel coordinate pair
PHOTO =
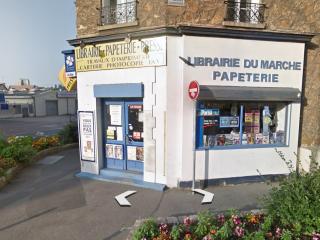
(193, 90)
(68, 82)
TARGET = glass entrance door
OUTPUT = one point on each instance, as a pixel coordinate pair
(123, 125)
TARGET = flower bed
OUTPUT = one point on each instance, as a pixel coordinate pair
(206, 226)
(18, 151)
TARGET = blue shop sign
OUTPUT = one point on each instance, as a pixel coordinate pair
(69, 63)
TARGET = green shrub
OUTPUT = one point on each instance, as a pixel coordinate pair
(205, 221)
(295, 204)
(69, 134)
(20, 153)
(149, 230)
(6, 163)
(177, 232)
(3, 142)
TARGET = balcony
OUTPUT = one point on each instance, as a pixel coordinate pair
(121, 14)
(244, 14)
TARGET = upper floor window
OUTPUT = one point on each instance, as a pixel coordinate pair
(247, 11)
(118, 11)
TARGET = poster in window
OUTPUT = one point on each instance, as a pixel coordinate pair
(220, 139)
(119, 134)
(236, 138)
(109, 151)
(136, 135)
(140, 117)
(229, 122)
(211, 140)
(132, 153)
(228, 139)
(140, 153)
(115, 115)
(210, 122)
(87, 139)
(138, 106)
(265, 139)
(259, 138)
(209, 112)
(256, 118)
(248, 118)
(111, 133)
(250, 138)
(118, 152)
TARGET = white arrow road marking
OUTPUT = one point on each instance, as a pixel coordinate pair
(208, 196)
(121, 198)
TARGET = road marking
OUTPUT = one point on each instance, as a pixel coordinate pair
(208, 196)
(121, 198)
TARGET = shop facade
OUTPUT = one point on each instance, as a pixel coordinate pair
(135, 115)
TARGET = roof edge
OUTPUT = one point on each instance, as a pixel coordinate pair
(203, 31)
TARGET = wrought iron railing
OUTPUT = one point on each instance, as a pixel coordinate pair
(119, 13)
(242, 11)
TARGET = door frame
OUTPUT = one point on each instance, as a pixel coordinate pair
(124, 164)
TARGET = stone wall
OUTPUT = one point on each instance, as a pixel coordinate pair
(302, 16)
(151, 13)
(88, 17)
(293, 16)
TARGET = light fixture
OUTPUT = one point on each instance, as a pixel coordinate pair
(128, 39)
(146, 47)
(82, 44)
(186, 61)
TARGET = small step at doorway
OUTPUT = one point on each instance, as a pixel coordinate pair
(123, 177)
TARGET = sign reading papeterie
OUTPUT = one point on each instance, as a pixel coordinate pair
(87, 139)
(136, 53)
(193, 90)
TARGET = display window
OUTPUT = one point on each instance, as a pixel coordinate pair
(222, 124)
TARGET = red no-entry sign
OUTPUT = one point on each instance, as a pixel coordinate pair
(194, 90)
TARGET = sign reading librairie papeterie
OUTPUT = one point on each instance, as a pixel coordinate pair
(87, 140)
(136, 53)
(176, 2)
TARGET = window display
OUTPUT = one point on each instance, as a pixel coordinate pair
(231, 123)
(135, 122)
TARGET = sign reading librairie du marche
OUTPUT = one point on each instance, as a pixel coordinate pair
(176, 2)
(138, 53)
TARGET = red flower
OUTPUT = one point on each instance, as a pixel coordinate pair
(187, 221)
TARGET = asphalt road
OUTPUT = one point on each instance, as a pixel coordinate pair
(46, 201)
(32, 126)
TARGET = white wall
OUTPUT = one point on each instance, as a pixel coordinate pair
(153, 79)
(215, 164)
(168, 112)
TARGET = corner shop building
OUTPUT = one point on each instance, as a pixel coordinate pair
(136, 119)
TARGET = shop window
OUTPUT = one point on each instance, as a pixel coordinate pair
(246, 11)
(241, 124)
(118, 11)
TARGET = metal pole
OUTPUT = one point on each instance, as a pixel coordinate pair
(194, 146)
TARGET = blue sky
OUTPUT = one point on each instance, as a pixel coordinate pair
(33, 34)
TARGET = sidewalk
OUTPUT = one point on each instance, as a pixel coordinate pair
(47, 201)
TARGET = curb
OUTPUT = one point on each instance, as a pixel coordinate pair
(12, 172)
